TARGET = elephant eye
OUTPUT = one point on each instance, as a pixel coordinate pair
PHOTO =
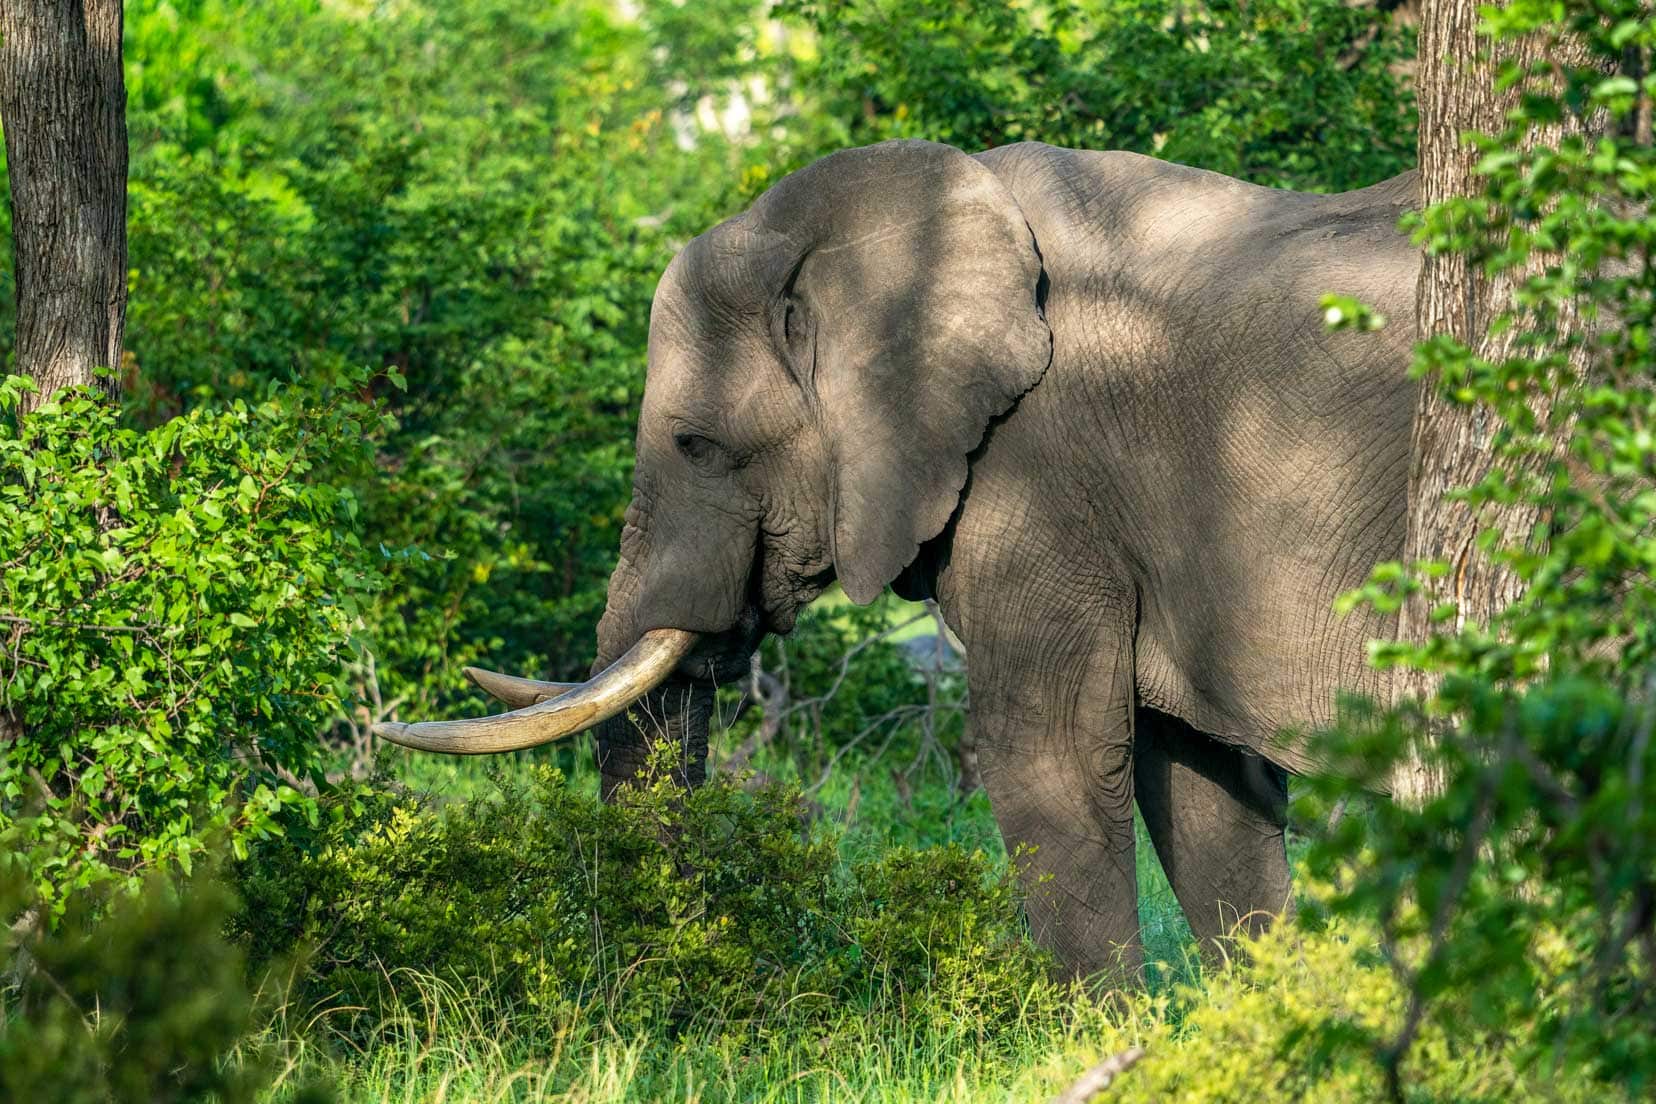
(788, 322)
(697, 448)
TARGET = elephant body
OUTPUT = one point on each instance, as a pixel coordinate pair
(1086, 401)
(1144, 564)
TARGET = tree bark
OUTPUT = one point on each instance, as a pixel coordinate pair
(63, 104)
(1451, 442)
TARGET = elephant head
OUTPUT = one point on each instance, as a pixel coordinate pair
(820, 369)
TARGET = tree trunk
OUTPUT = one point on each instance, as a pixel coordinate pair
(63, 104)
(1450, 447)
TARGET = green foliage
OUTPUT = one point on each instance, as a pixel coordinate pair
(175, 605)
(1342, 312)
(944, 938)
(477, 199)
(144, 1002)
(849, 684)
(712, 913)
(1519, 893)
(1280, 1023)
(465, 210)
(1292, 93)
(1528, 887)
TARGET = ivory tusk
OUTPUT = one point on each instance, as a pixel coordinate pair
(516, 692)
(607, 693)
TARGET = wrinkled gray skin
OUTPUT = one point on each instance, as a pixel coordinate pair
(1086, 401)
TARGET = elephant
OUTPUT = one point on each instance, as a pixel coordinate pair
(1088, 403)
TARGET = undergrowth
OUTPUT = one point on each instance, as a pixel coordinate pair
(1276, 1022)
(719, 913)
(531, 944)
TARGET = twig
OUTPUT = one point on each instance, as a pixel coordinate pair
(845, 661)
(12, 619)
(1391, 1056)
(889, 716)
(1100, 1077)
(771, 695)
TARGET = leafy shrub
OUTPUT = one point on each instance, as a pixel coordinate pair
(1276, 1022)
(136, 1001)
(175, 604)
(1293, 1016)
(477, 209)
(714, 911)
(943, 939)
(1519, 893)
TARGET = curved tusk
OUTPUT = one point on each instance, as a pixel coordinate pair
(604, 695)
(516, 692)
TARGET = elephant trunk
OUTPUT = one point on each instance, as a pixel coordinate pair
(667, 640)
(688, 565)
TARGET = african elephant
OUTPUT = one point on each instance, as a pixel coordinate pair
(1086, 401)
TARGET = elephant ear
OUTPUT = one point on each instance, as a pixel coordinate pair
(917, 283)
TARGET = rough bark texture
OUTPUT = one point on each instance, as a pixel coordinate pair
(63, 103)
(1450, 445)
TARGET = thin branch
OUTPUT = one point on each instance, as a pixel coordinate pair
(1392, 1056)
(137, 630)
(1100, 1077)
(845, 661)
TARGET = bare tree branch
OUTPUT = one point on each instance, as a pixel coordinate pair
(1100, 1077)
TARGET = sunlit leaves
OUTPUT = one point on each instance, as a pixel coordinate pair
(174, 611)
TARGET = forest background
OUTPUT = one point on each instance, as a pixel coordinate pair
(390, 274)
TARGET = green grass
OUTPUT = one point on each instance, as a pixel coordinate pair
(439, 1053)
(858, 1063)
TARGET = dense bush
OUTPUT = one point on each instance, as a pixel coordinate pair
(176, 607)
(144, 1002)
(1293, 1017)
(1517, 895)
(1291, 93)
(472, 208)
(714, 912)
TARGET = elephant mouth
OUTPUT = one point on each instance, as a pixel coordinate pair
(548, 711)
(781, 606)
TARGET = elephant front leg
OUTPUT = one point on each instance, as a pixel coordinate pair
(1055, 738)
